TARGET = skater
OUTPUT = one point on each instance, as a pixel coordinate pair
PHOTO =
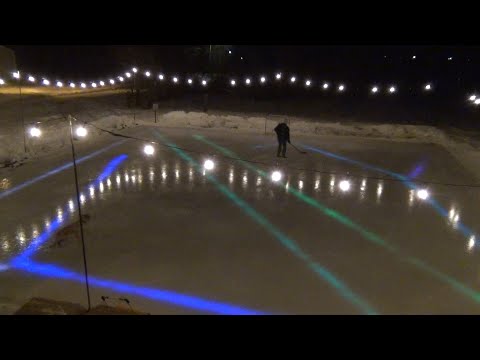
(283, 135)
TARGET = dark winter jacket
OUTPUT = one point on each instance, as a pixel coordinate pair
(283, 132)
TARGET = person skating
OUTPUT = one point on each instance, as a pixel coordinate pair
(283, 136)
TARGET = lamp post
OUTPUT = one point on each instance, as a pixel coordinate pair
(79, 212)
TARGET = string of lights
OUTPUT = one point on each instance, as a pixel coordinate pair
(203, 81)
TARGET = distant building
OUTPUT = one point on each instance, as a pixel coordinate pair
(7, 60)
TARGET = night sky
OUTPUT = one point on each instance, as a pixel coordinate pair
(345, 63)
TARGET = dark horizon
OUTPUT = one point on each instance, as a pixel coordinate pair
(353, 63)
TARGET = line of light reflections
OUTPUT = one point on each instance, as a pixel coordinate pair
(134, 176)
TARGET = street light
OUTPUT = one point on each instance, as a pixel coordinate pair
(128, 74)
(477, 102)
(83, 85)
(175, 79)
(423, 194)
(278, 76)
(344, 185)
(293, 79)
(134, 70)
(276, 176)
(2, 82)
(16, 74)
(81, 131)
(325, 86)
(94, 85)
(31, 79)
(392, 89)
(35, 132)
(263, 79)
(120, 78)
(102, 83)
(374, 89)
(204, 82)
(341, 88)
(472, 97)
(45, 82)
(147, 73)
(59, 84)
(148, 149)
(160, 76)
(428, 87)
(308, 83)
(247, 81)
(72, 85)
(112, 81)
(232, 82)
(209, 164)
(190, 81)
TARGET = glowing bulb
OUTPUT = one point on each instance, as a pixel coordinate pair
(471, 242)
(161, 77)
(344, 185)
(83, 85)
(112, 81)
(414, 57)
(375, 89)
(45, 82)
(308, 83)
(232, 82)
(35, 132)
(147, 73)
(451, 214)
(423, 194)
(247, 81)
(392, 89)
(204, 82)
(276, 176)
(229, 51)
(263, 79)
(120, 78)
(341, 88)
(149, 149)
(209, 164)
(325, 85)
(190, 81)
(472, 98)
(134, 70)
(102, 83)
(31, 79)
(59, 84)
(94, 85)
(2, 82)
(477, 101)
(450, 58)
(81, 131)
(428, 87)
(175, 79)
(278, 76)
(16, 75)
(128, 74)
(293, 79)
(72, 85)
